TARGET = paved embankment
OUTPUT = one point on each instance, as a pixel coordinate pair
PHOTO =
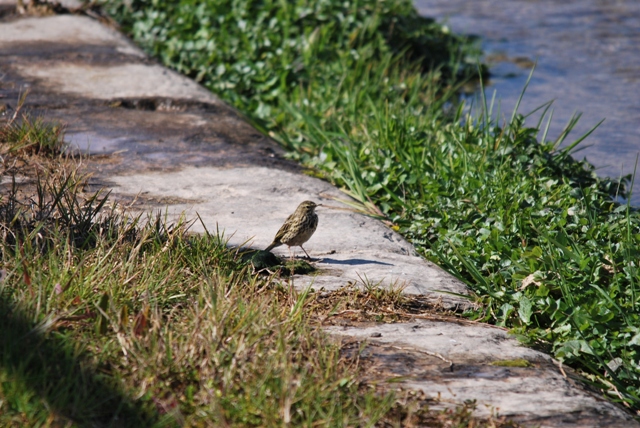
(161, 138)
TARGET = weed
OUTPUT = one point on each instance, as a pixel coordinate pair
(23, 135)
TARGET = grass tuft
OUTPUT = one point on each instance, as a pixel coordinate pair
(23, 135)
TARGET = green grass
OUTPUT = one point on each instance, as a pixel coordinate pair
(348, 89)
(109, 320)
(254, 53)
(26, 135)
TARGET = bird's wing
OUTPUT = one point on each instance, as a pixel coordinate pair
(283, 229)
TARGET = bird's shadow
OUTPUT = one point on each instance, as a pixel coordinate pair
(354, 262)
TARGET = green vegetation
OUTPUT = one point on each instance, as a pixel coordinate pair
(256, 54)
(108, 320)
(346, 86)
(23, 135)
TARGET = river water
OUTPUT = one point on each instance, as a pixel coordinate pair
(588, 61)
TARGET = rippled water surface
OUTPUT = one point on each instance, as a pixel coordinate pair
(588, 60)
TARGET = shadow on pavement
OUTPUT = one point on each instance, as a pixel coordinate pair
(354, 262)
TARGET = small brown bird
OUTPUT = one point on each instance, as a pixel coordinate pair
(298, 227)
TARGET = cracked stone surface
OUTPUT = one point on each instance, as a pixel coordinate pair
(160, 137)
(540, 394)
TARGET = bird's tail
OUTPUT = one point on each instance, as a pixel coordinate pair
(272, 246)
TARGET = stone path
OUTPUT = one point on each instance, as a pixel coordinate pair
(160, 137)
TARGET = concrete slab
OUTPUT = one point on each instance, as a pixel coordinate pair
(453, 363)
(106, 82)
(250, 204)
(64, 30)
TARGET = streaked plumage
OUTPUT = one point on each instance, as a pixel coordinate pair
(298, 227)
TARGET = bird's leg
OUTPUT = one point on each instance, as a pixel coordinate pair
(293, 267)
(305, 251)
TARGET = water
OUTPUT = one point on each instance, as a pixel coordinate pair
(588, 60)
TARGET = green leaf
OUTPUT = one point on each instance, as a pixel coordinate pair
(525, 310)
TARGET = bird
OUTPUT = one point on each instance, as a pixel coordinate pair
(297, 228)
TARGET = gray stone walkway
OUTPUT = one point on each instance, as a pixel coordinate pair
(163, 139)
